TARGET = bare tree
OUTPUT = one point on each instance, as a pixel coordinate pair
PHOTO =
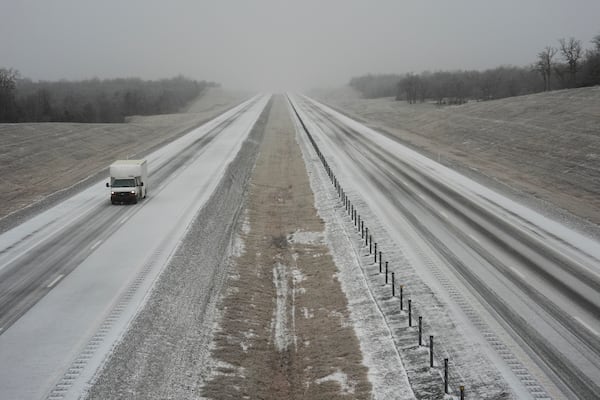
(545, 64)
(413, 87)
(8, 82)
(596, 42)
(590, 66)
(572, 52)
(489, 82)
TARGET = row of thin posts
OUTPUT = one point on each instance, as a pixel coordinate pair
(359, 224)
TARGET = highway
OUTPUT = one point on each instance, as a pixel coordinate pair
(73, 277)
(32, 266)
(79, 270)
(539, 280)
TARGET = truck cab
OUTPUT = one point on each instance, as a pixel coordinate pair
(127, 181)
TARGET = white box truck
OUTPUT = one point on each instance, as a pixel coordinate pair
(128, 181)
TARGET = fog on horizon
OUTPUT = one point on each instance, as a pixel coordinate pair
(276, 45)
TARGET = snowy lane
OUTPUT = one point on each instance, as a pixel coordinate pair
(69, 332)
(540, 279)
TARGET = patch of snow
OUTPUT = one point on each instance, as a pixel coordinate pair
(244, 343)
(346, 386)
(338, 315)
(246, 224)
(238, 247)
(298, 276)
(304, 237)
(281, 331)
(307, 313)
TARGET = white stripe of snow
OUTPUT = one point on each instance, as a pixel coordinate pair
(519, 273)
(474, 238)
(585, 324)
(58, 278)
(280, 321)
(347, 387)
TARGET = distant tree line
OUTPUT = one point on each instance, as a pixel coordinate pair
(93, 100)
(373, 86)
(565, 66)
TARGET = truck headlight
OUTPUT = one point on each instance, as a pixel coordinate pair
(132, 192)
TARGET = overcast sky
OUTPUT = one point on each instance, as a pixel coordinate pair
(280, 44)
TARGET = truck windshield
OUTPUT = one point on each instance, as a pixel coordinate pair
(123, 183)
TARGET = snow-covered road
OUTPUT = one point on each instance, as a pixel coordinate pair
(529, 286)
(486, 274)
(73, 277)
